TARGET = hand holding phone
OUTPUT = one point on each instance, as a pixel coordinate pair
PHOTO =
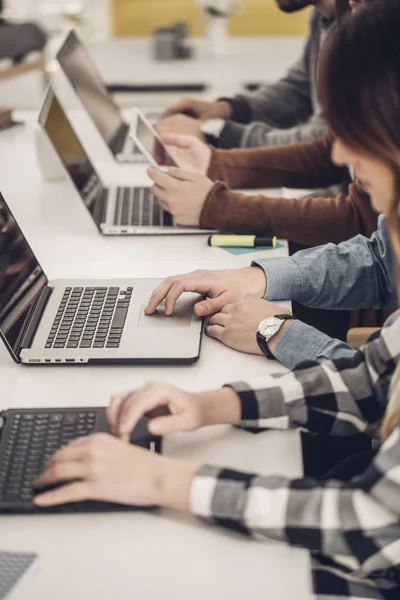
(150, 143)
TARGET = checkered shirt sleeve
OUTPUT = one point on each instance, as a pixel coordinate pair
(351, 528)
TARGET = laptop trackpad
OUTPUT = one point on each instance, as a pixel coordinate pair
(182, 316)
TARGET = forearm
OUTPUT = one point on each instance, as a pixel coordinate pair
(352, 275)
(309, 221)
(300, 165)
(307, 513)
(298, 342)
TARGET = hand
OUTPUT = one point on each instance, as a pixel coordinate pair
(236, 325)
(190, 152)
(181, 193)
(221, 287)
(171, 409)
(181, 411)
(180, 124)
(200, 109)
(101, 467)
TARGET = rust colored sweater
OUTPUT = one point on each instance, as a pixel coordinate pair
(310, 221)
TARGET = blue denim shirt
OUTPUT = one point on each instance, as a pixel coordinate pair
(355, 274)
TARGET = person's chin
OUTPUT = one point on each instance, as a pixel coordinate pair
(377, 205)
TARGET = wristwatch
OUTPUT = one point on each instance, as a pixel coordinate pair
(267, 329)
(211, 129)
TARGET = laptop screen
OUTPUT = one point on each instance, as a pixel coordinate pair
(83, 75)
(21, 277)
(54, 121)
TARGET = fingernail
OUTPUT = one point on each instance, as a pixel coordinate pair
(154, 427)
(200, 309)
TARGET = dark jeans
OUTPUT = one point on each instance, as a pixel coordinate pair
(322, 454)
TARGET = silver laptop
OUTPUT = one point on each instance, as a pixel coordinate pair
(85, 78)
(84, 321)
(115, 210)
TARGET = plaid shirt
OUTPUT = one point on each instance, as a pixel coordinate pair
(351, 528)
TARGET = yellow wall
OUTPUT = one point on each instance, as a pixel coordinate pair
(259, 17)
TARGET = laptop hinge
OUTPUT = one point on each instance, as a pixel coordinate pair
(32, 320)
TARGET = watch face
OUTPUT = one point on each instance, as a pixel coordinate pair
(270, 327)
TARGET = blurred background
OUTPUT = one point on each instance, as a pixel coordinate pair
(125, 37)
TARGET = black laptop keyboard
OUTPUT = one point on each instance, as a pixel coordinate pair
(137, 206)
(33, 439)
(90, 317)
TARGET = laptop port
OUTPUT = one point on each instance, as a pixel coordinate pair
(34, 360)
(58, 359)
(47, 360)
(70, 360)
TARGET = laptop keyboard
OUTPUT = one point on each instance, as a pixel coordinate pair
(90, 317)
(137, 206)
(33, 439)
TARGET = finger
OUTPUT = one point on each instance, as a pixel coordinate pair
(215, 331)
(74, 451)
(161, 195)
(176, 291)
(170, 424)
(226, 309)
(219, 319)
(179, 107)
(158, 296)
(73, 492)
(61, 471)
(162, 179)
(114, 408)
(209, 306)
(182, 175)
(178, 140)
(137, 406)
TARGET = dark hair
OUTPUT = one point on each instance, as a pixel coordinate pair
(359, 91)
(359, 80)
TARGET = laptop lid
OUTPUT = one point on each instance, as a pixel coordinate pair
(85, 78)
(22, 281)
(55, 123)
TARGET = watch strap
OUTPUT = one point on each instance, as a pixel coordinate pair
(262, 342)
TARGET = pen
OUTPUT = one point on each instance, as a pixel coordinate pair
(241, 241)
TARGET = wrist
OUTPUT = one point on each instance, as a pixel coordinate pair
(220, 407)
(258, 285)
(174, 482)
(273, 342)
(224, 110)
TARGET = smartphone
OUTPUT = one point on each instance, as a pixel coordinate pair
(149, 142)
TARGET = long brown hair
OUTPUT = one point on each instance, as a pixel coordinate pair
(359, 91)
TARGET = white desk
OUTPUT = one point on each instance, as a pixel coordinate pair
(255, 59)
(137, 554)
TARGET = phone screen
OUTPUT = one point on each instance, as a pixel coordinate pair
(152, 144)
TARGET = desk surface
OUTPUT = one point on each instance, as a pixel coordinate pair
(137, 554)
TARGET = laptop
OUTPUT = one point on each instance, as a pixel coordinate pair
(29, 437)
(98, 321)
(115, 210)
(81, 71)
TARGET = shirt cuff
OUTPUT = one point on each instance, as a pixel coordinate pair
(284, 280)
(300, 343)
(221, 494)
(241, 109)
(231, 135)
(258, 412)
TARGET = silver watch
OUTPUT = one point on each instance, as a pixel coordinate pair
(268, 328)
